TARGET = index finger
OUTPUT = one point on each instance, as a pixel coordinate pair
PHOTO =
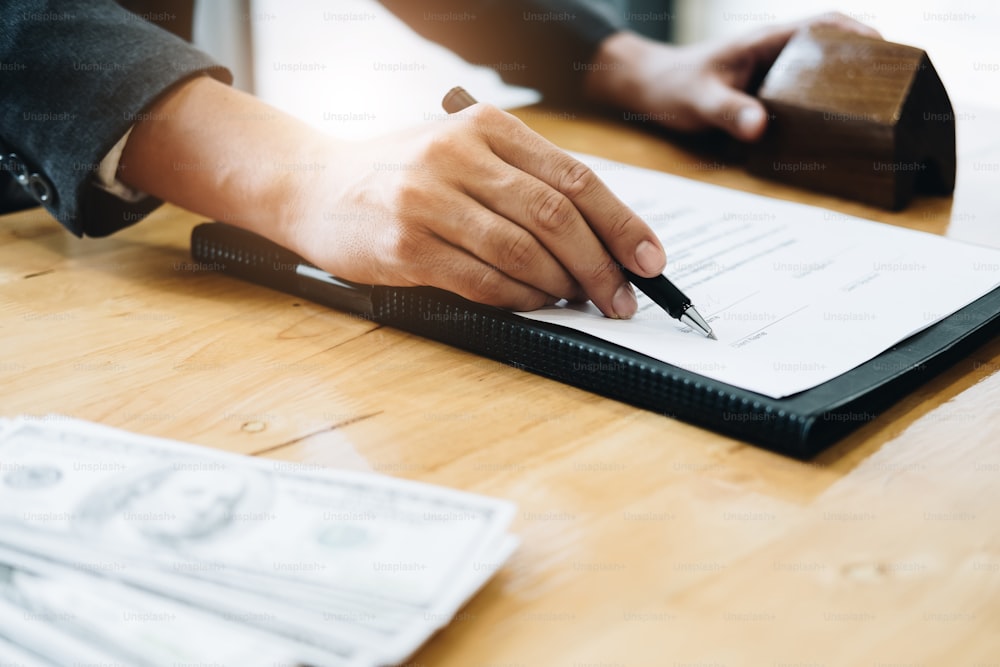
(629, 240)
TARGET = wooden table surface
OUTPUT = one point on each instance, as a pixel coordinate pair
(645, 541)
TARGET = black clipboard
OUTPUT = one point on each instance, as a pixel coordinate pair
(800, 425)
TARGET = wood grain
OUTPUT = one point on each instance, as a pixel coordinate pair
(645, 541)
(856, 117)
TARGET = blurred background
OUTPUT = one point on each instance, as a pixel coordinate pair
(354, 70)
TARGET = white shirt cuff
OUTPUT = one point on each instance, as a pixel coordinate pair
(107, 173)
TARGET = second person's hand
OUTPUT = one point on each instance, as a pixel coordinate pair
(698, 86)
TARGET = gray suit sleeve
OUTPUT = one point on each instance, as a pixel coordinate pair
(76, 76)
(543, 44)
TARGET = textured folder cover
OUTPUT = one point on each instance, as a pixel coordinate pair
(799, 425)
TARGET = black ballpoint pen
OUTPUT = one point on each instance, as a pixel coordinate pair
(663, 292)
(667, 296)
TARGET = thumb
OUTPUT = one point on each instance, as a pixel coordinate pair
(739, 114)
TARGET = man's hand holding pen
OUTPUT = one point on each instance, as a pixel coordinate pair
(664, 293)
(480, 205)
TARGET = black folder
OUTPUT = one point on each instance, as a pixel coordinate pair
(799, 425)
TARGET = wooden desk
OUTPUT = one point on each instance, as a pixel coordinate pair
(646, 541)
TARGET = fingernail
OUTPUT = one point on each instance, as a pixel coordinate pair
(624, 302)
(749, 120)
(650, 258)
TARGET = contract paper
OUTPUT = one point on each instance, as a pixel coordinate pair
(797, 295)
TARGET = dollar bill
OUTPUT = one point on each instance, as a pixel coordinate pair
(103, 619)
(14, 655)
(355, 566)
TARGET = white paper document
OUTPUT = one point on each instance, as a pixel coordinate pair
(797, 295)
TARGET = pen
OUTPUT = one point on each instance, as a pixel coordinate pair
(663, 292)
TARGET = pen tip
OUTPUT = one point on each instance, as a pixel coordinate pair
(693, 319)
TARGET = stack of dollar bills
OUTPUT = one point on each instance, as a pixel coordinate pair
(120, 549)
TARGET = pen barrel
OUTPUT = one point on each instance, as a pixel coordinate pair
(457, 99)
(663, 293)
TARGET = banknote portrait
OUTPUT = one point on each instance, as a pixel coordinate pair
(174, 506)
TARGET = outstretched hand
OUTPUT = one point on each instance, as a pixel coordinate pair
(699, 86)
